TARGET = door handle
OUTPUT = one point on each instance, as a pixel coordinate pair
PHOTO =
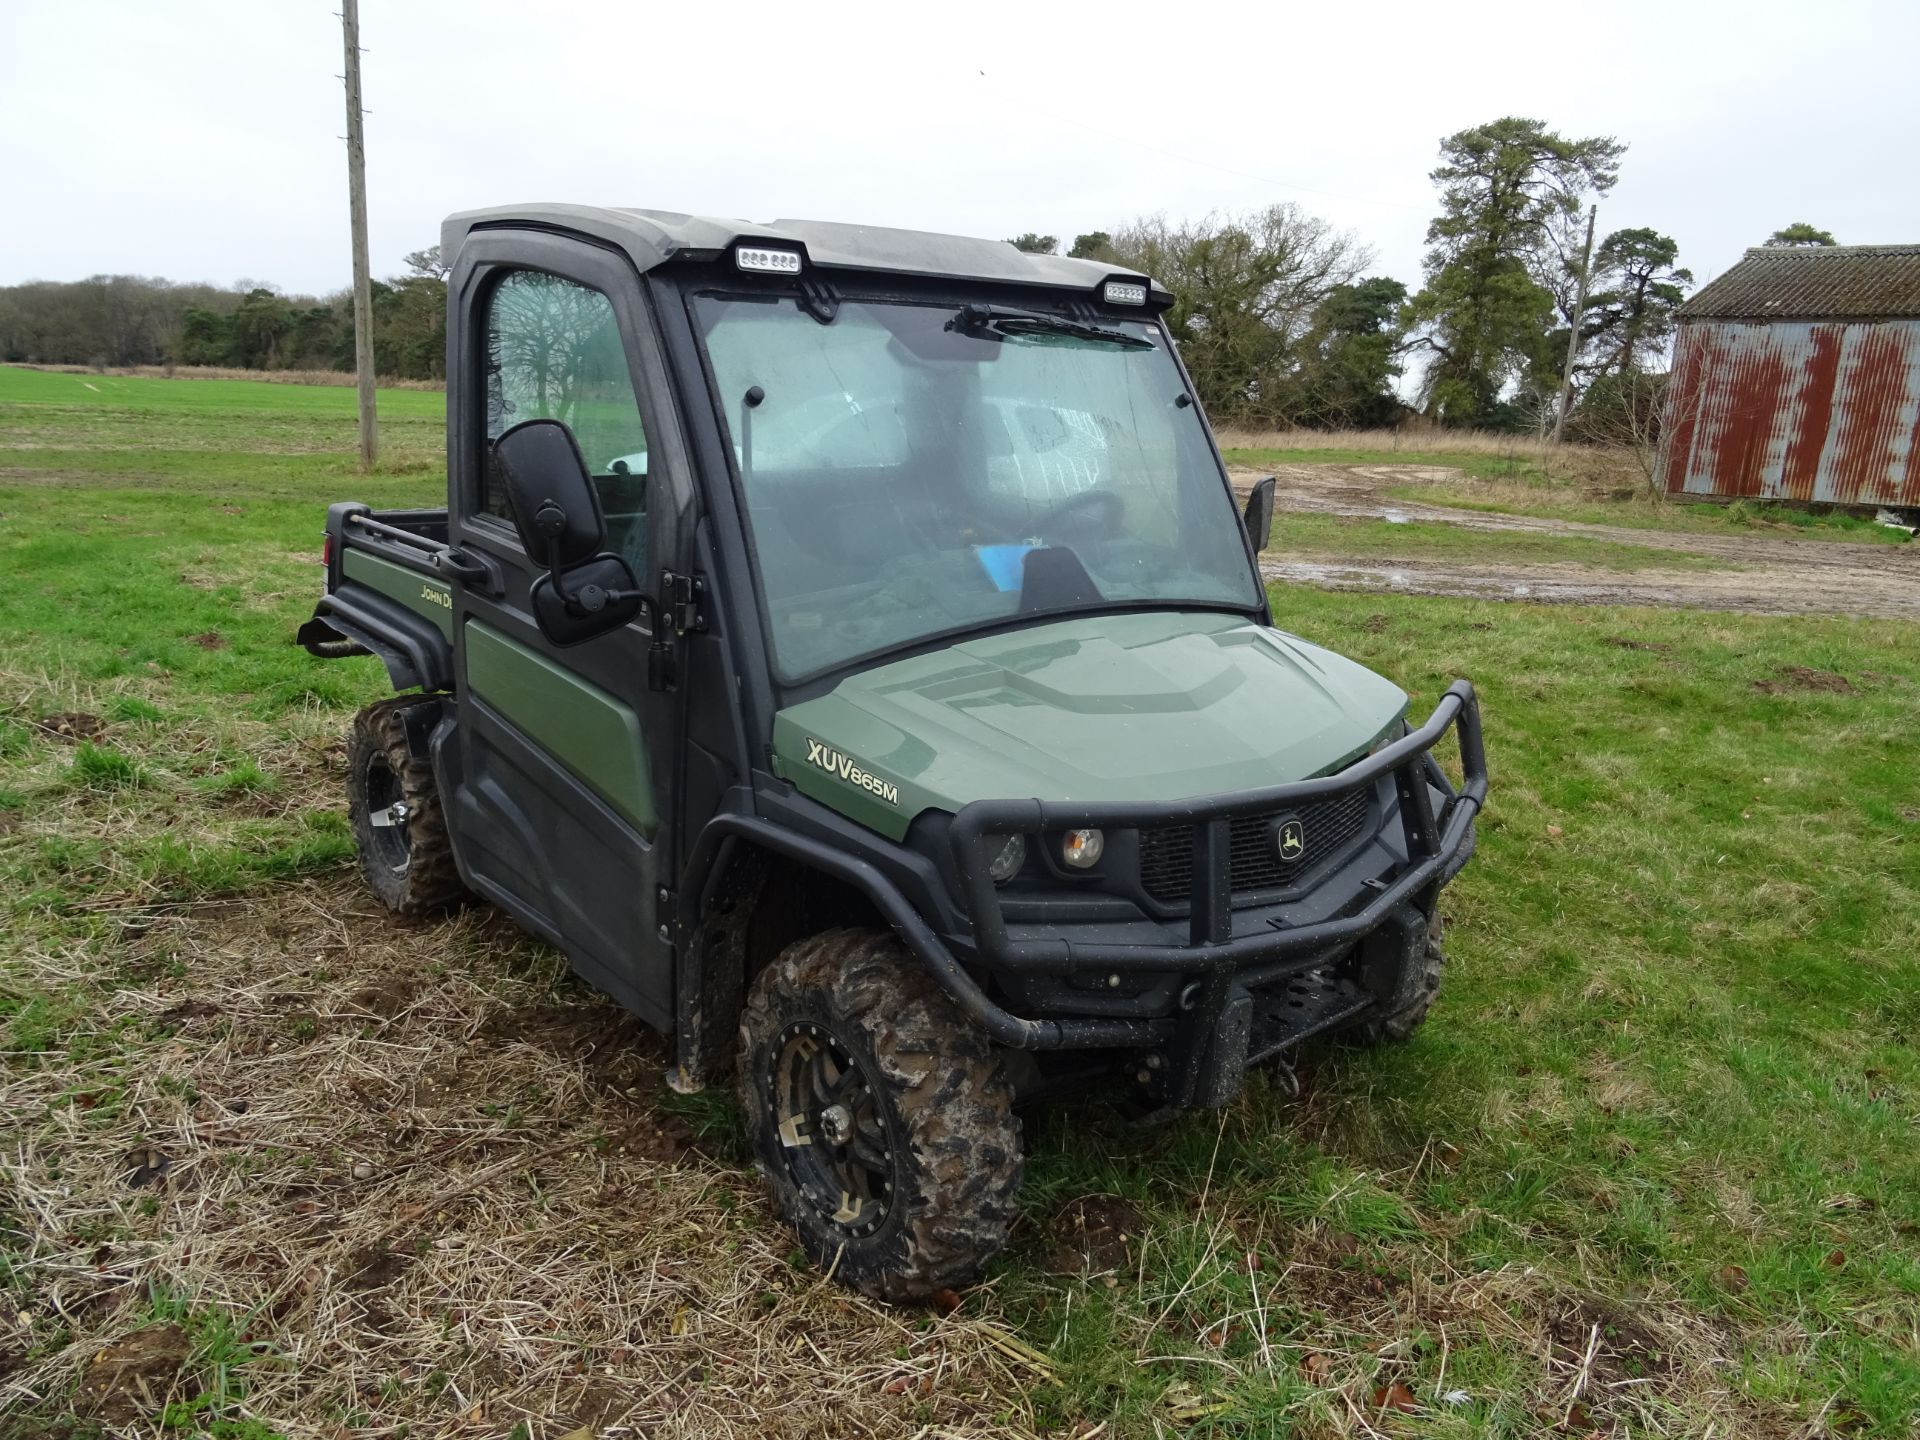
(469, 569)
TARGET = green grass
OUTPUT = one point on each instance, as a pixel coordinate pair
(1675, 1045)
(166, 582)
(220, 402)
(1300, 534)
(1675, 1036)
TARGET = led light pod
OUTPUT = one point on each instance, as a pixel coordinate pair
(770, 262)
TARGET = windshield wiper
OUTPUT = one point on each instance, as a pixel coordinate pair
(1000, 321)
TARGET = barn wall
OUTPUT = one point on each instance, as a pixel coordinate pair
(1795, 410)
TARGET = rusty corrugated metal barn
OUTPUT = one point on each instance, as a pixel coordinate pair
(1796, 376)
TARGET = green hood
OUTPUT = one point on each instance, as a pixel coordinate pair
(1153, 707)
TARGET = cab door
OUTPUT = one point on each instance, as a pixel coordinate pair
(563, 757)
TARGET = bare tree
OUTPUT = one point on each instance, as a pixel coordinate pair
(1636, 414)
(1246, 290)
(426, 262)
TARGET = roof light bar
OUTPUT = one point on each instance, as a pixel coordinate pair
(773, 262)
(1125, 292)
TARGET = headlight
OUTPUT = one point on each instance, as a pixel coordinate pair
(1081, 849)
(1007, 863)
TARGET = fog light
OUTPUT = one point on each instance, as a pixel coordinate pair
(1082, 848)
(1007, 863)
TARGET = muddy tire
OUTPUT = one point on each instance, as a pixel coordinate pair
(879, 1117)
(394, 808)
(1392, 1029)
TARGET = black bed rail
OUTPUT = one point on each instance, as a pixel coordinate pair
(394, 533)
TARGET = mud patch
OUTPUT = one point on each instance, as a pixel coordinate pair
(132, 1379)
(1623, 642)
(208, 640)
(1093, 1234)
(619, 1053)
(72, 726)
(655, 1137)
(371, 1267)
(183, 1011)
(1624, 1346)
(1772, 574)
(1799, 677)
(386, 998)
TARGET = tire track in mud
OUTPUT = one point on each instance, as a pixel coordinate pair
(1780, 575)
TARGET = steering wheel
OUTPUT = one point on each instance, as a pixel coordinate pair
(1097, 507)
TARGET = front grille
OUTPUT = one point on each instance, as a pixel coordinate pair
(1330, 827)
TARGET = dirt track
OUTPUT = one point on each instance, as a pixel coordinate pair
(1779, 575)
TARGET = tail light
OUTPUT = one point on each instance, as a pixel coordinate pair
(326, 550)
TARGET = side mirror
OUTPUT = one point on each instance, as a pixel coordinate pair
(555, 507)
(1259, 514)
(556, 511)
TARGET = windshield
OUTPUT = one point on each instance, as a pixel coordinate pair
(912, 470)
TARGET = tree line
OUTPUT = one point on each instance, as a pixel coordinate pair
(111, 320)
(1279, 315)
(1281, 326)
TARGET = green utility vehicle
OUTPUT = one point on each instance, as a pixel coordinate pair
(844, 645)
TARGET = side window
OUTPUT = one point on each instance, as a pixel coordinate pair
(554, 353)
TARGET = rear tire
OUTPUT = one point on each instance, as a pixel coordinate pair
(394, 808)
(880, 1120)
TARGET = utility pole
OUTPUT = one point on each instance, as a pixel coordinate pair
(357, 211)
(1573, 340)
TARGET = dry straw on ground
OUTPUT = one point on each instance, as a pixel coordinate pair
(422, 1184)
(1421, 438)
(411, 1176)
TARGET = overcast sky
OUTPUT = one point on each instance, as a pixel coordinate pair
(200, 139)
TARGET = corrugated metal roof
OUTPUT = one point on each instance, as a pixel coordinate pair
(1814, 282)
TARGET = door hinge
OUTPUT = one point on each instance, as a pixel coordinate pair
(679, 611)
(682, 596)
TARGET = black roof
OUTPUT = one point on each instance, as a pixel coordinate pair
(1814, 282)
(655, 237)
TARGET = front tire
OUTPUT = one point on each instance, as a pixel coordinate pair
(393, 806)
(880, 1120)
(1398, 1027)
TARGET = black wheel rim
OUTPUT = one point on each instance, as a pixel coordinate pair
(387, 816)
(830, 1129)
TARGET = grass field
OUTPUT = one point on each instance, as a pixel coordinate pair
(1650, 1170)
(1510, 476)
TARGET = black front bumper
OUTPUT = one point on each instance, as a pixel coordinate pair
(1251, 983)
(1245, 987)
